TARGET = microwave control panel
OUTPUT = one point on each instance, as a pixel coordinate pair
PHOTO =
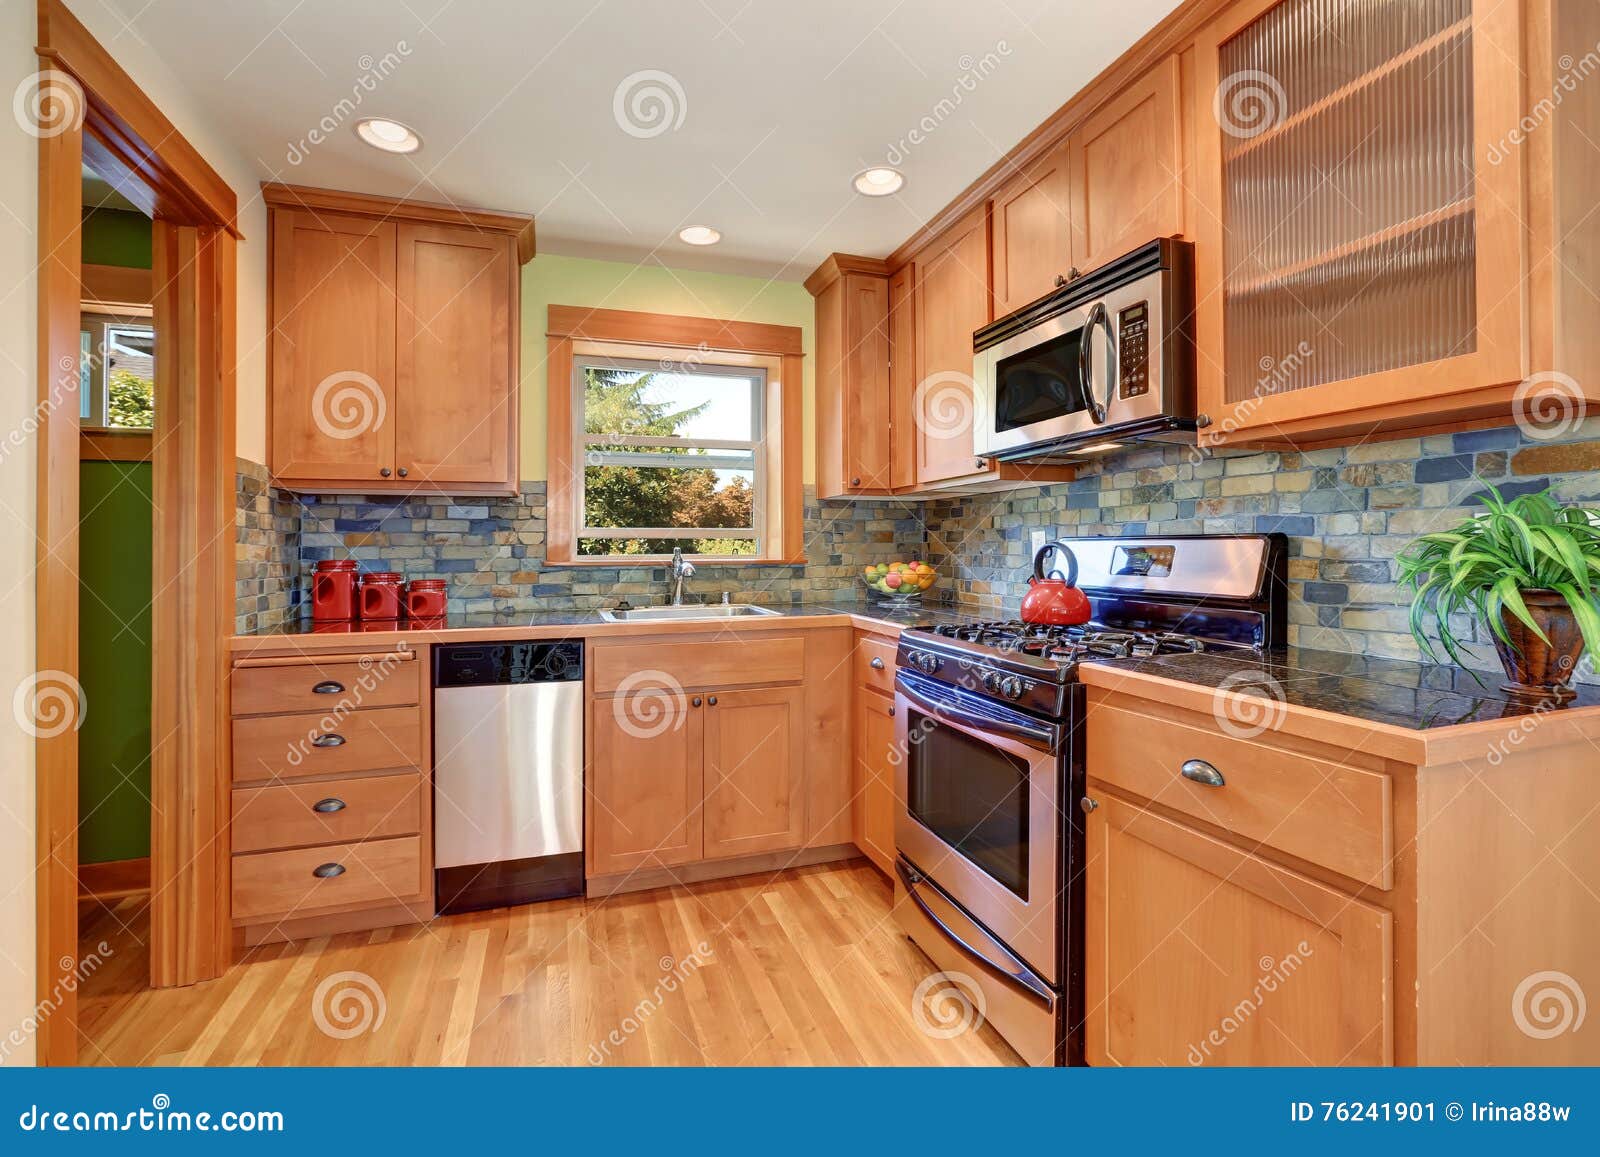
(1133, 351)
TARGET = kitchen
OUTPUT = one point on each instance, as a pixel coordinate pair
(1078, 639)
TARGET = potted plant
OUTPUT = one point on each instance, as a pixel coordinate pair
(1530, 569)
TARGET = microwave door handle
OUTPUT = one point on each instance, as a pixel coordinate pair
(1097, 317)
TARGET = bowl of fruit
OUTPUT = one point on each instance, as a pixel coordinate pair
(898, 582)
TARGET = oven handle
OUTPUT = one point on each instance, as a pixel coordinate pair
(967, 935)
(1097, 317)
(958, 706)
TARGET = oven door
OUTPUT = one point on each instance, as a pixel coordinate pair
(979, 790)
(1078, 375)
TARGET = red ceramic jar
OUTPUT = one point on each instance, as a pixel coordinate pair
(333, 590)
(425, 598)
(380, 595)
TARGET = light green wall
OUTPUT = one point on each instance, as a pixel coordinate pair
(552, 280)
(117, 237)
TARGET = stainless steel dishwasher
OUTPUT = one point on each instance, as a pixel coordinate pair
(507, 773)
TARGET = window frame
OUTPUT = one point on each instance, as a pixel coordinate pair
(579, 336)
(97, 325)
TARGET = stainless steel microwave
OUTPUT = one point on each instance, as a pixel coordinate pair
(1106, 359)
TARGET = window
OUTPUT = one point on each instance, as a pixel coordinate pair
(672, 433)
(670, 457)
(116, 372)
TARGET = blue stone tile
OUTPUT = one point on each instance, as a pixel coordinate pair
(1510, 490)
(455, 565)
(355, 525)
(1327, 593)
(1502, 439)
(1447, 469)
(1296, 524)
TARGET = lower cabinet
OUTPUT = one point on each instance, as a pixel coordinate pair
(874, 778)
(1201, 953)
(755, 771)
(645, 781)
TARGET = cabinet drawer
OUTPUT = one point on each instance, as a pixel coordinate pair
(294, 746)
(1324, 812)
(281, 883)
(287, 816)
(346, 683)
(710, 663)
(875, 663)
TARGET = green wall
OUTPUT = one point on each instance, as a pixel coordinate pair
(114, 570)
(116, 237)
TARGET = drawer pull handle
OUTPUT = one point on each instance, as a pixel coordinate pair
(877, 663)
(331, 739)
(328, 806)
(1199, 771)
(327, 871)
(327, 687)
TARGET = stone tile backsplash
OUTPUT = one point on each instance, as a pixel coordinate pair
(1347, 512)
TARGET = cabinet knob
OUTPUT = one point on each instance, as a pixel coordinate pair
(327, 687)
(891, 710)
(981, 463)
(404, 471)
(327, 871)
(855, 482)
(328, 806)
(1088, 805)
(1201, 772)
(695, 701)
(712, 701)
(384, 472)
(1061, 279)
(877, 663)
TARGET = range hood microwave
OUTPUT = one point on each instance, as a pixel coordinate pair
(1106, 360)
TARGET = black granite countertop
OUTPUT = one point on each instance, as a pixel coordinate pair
(1418, 696)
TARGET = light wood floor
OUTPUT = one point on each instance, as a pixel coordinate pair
(802, 968)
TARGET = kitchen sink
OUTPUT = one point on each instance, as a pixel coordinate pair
(685, 614)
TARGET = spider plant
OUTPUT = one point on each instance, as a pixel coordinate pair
(1489, 562)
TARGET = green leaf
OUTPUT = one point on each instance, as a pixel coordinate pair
(1506, 591)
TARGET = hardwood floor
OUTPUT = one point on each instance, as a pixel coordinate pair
(801, 968)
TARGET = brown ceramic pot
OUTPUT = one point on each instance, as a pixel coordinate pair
(1534, 666)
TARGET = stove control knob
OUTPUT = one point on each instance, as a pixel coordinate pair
(991, 682)
(1011, 688)
(927, 663)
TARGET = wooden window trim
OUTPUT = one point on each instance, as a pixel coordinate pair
(576, 331)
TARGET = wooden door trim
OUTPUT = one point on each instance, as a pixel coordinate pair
(624, 325)
(125, 136)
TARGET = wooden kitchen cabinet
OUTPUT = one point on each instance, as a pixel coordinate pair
(874, 778)
(646, 777)
(395, 341)
(902, 378)
(952, 300)
(1199, 952)
(755, 771)
(854, 412)
(1127, 162)
(1032, 217)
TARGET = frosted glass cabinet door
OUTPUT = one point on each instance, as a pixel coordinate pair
(1363, 238)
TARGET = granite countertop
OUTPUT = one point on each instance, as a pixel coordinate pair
(1417, 696)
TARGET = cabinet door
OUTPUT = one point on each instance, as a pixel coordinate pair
(754, 771)
(1032, 215)
(866, 400)
(1360, 231)
(1197, 952)
(952, 301)
(1127, 170)
(454, 362)
(645, 782)
(874, 782)
(902, 378)
(333, 326)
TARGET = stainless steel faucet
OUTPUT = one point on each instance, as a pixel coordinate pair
(681, 570)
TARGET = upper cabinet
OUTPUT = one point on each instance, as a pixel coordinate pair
(855, 423)
(1031, 215)
(394, 344)
(1127, 164)
(952, 300)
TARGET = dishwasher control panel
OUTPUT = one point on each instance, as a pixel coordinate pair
(481, 664)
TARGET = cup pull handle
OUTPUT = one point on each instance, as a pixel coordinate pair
(328, 806)
(877, 663)
(1199, 771)
(327, 687)
(327, 871)
(329, 740)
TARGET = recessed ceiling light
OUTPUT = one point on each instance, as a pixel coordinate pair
(879, 182)
(390, 136)
(699, 235)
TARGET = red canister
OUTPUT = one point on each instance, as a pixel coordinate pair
(425, 598)
(380, 595)
(333, 590)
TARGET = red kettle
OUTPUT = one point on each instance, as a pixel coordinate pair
(1055, 601)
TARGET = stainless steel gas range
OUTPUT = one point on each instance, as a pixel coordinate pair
(991, 721)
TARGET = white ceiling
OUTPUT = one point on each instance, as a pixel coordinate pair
(783, 101)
